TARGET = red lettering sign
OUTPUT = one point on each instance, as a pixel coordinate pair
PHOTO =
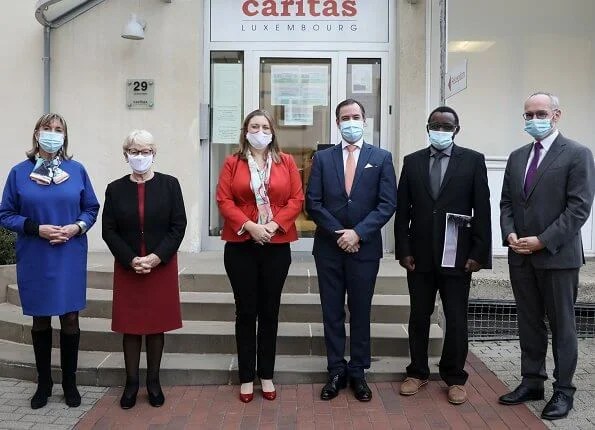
(314, 8)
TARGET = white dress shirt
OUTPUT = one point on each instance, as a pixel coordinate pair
(547, 144)
(344, 144)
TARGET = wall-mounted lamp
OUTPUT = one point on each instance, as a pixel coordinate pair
(134, 28)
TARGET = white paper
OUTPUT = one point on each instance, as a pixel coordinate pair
(362, 78)
(369, 131)
(299, 88)
(299, 114)
(227, 103)
(451, 238)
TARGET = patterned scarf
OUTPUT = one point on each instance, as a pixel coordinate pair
(259, 182)
(46, 171)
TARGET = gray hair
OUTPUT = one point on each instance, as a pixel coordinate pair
(142, 137)
(554, 100)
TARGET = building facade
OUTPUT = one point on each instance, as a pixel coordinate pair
(210, 62)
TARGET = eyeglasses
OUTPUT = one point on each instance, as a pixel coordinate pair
(540, 114)
(144, 152)
(440, 126)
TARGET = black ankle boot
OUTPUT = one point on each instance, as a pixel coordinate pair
(42, 347)
(69, 350)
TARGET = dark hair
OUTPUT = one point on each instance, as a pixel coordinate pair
(47, 119)
(349, 102)
(445, 109)
(244, 145)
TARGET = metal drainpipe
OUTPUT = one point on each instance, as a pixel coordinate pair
(46, 69)
(443, 50)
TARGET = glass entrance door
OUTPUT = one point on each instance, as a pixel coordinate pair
(300, 90)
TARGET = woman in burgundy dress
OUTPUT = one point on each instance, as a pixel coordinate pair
(144, 221)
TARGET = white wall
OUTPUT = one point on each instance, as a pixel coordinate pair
(539, 45)
(90, 65)
(21, 81)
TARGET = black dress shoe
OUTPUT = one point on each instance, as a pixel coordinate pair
(558, 406)
(360, 389)
(156, 397)
(521, 394)
(128, 399)
(332, 387)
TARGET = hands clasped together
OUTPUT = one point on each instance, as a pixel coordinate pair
(261, 233)
(349, 240)
(143, 265)
(524, 245)
(56, 234)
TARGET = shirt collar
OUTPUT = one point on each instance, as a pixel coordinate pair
(447, 151)
(547, 142)
(359, 143)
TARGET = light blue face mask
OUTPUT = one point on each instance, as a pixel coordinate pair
(441, 139)
(50, 141)
(538, 128)
(352, 130)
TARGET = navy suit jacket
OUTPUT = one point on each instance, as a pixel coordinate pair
(370, 205)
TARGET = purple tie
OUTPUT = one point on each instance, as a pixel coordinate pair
(533, 167)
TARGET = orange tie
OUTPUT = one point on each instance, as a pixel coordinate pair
(349, 168)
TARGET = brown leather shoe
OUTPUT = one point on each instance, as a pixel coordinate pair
(457, 394)
(411, 386)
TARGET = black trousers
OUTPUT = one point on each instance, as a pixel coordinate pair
(257, 274)
(454, 293)
(541, 292)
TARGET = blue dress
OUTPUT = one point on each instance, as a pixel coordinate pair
(52, 279)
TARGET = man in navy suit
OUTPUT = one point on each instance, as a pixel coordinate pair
(351, 195)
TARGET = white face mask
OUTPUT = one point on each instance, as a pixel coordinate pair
(259, 140)
(140, 163)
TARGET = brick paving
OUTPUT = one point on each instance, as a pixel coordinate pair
(504, 359)
(299, 407)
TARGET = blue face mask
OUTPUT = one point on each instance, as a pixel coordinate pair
(441, 139)
(352, 130)
(538, 128)
(50, 142)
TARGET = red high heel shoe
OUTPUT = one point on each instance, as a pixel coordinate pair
(246, 398)
(269, 395)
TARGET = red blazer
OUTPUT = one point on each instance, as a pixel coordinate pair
(237, 203)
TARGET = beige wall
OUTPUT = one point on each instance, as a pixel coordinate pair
(411, 78)
(91, 63)
(21, 81)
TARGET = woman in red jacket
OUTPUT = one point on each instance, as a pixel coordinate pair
(259, 196)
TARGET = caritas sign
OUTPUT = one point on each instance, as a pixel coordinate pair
(300, 21)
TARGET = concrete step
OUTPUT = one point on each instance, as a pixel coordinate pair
(221, 306)
(211, 278)
(217, 337)
(107, 368)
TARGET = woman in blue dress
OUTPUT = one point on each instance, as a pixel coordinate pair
(49, 201)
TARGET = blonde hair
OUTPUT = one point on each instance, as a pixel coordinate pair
(244, 145)
(141, 137)
(47, 119)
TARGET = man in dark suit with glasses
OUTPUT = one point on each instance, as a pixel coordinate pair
(546, 198)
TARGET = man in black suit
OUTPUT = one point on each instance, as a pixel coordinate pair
(546, 198)
(444, 178)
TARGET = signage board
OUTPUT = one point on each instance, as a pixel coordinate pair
(140, 93)
(300, 21)
(455, 80)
